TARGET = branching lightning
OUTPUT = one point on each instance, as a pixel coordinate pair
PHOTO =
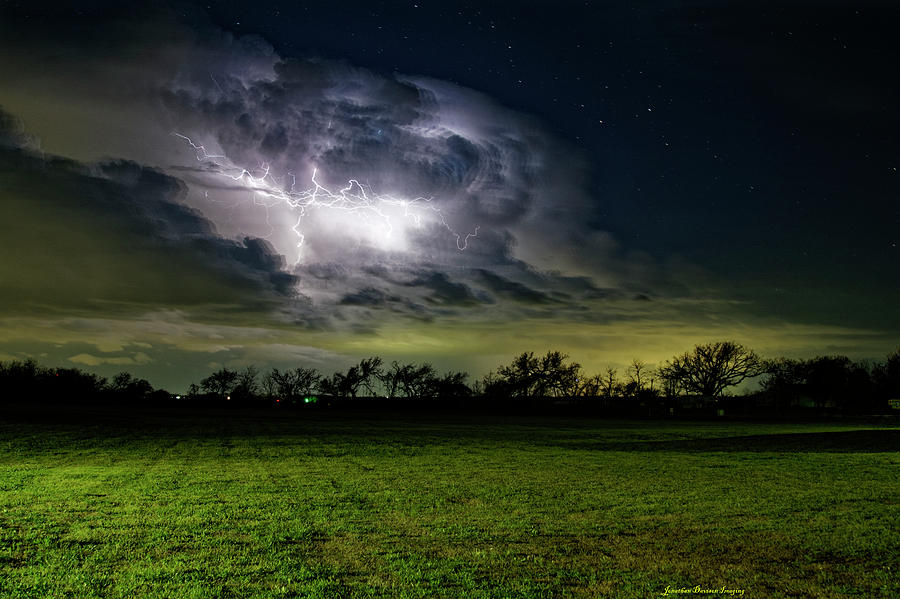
(355, 198)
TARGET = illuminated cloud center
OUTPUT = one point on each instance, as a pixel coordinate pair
(354, 211)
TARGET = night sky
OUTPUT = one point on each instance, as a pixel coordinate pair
(609, 180)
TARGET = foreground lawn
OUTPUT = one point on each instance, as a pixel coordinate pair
(339, 505)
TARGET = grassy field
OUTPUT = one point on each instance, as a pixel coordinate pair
(319, 505)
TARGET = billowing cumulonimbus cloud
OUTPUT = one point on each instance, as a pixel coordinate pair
(397, 138)
(481, 167)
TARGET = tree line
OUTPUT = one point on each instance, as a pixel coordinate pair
(369, 378)
(703, 376)
(25, 380)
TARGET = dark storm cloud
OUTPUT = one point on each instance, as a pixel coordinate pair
(146, 198)
(104, 224)
(446, 292)
(378, 300)
(367, 297)
(413, 289)
(512, 289)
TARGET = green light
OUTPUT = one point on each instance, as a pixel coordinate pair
(311, 399)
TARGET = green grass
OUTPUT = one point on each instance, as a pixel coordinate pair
(317, 505)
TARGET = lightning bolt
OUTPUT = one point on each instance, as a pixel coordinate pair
(354, 198)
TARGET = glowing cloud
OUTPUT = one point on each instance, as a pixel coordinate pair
(379, 215)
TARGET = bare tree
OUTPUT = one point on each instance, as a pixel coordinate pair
(609, 382)
(639, 375)
(283, 383)
(292, 385)
(270, 385)
(418, 381)
(306, 380)
(711, 368)
(390, 378)
(247, 383)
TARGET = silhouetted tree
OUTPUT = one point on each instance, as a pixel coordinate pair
(72, 384)
(886, 377)
(591, 386)
(26, 379)
(837, 381)
(221, 382)
(539, 376)
(120, 382)
(348, 384)
(282, 384)
(494, 386)
(560, 378)
(418, 381)
(453, 385)
(609, 383)
(370, 373)
(391, 378)
(785, 381)
(307, 380)
(711, 368)
(520, 376)
(827, 381)
(421, 381)
(128, 387)
(639, 375)
(671, 385)
(20, 378)
(246, 385)
(360, 376)
(291, 385)
(269, 385)
(341, 385)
